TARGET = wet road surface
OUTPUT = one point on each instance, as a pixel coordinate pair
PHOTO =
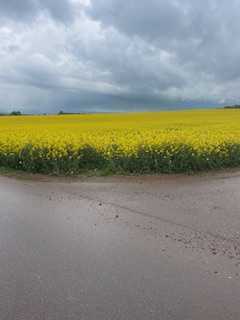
(120, 248)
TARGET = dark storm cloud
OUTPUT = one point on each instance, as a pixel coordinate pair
(204, 33)
(118, 55)
(151, 19)
(21, 10)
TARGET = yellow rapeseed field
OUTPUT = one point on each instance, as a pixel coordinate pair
(173, 141)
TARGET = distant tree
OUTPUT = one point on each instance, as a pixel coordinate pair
(236, 106)
(61, 112)
(16, 113)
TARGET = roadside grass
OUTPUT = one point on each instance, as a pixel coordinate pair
(88, 161)
(165, 158)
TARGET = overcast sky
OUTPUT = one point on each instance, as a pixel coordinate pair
(103, 55)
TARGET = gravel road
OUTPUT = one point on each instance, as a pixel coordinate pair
(116, 248)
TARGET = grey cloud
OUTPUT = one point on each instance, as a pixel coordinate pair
(21, 10)
(150, 19)
(171, 20)
(201, 34)
(118, 55)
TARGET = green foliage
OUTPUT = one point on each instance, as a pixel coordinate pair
(16, 113)
(160, 159)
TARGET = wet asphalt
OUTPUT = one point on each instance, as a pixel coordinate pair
(120, 248)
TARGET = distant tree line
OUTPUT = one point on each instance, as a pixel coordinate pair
(12, 113)
(61, 113)
(236, 106)
(15, 113)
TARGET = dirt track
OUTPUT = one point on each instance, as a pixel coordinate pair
(120, 248)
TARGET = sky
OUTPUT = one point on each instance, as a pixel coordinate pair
(115, 55)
